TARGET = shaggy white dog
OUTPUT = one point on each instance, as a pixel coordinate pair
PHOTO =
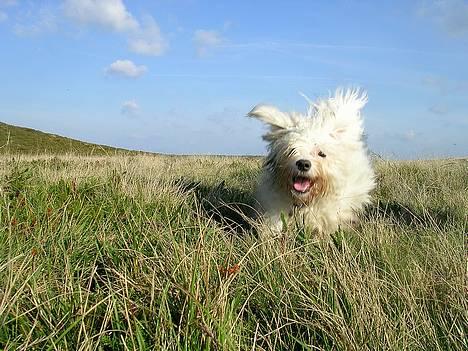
(317, 169)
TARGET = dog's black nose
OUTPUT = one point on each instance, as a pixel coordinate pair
(303, 165)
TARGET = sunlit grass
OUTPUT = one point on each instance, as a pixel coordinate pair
(19, 140)
(142, 252)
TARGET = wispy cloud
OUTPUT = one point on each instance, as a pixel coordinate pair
(405, 136)
(130, 108)
(280, 46)
(450, 15)
(8, 2)
(148, 39)
(227, 25)
(438, 109)
(445, 85)
(205, 40)
(125, 68)
(5, 3)
(44, 22)
(256, 76)
(409, 135)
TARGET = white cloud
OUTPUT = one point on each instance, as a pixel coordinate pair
(144, 37)
(130, 108)
(451, 15)
(110, 14)
(148, 40)
(126, 68)
(3, 17)
(205, 40)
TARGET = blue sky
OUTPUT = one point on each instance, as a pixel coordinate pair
(179, 76)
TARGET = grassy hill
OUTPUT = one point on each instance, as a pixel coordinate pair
(126, 253)
(20, 140)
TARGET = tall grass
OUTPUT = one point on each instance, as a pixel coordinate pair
(143, 252)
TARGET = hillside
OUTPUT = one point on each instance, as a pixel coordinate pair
(20, 140)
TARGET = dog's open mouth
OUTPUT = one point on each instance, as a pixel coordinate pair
(301, 184)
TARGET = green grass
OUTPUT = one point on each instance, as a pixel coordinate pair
(19, 140)
(143, 252)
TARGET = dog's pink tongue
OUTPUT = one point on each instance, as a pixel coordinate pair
(301, 184)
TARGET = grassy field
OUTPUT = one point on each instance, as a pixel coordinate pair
(19, 140)
(151, 252)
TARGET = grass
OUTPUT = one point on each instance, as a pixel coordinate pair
(148, 252)
(19, 140)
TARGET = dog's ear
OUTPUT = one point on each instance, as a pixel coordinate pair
(272, 116)
(346, 109)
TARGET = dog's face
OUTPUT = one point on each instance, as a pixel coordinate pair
(305, 152)
(299, 159)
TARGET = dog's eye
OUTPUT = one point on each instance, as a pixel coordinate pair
(321, 154)
(291, 152)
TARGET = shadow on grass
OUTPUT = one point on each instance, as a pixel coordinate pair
(234, 208)
(230, 207)
(412, 215)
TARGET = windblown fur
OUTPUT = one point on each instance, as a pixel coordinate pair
(317, 168)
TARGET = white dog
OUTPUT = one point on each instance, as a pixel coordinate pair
(317, 168)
